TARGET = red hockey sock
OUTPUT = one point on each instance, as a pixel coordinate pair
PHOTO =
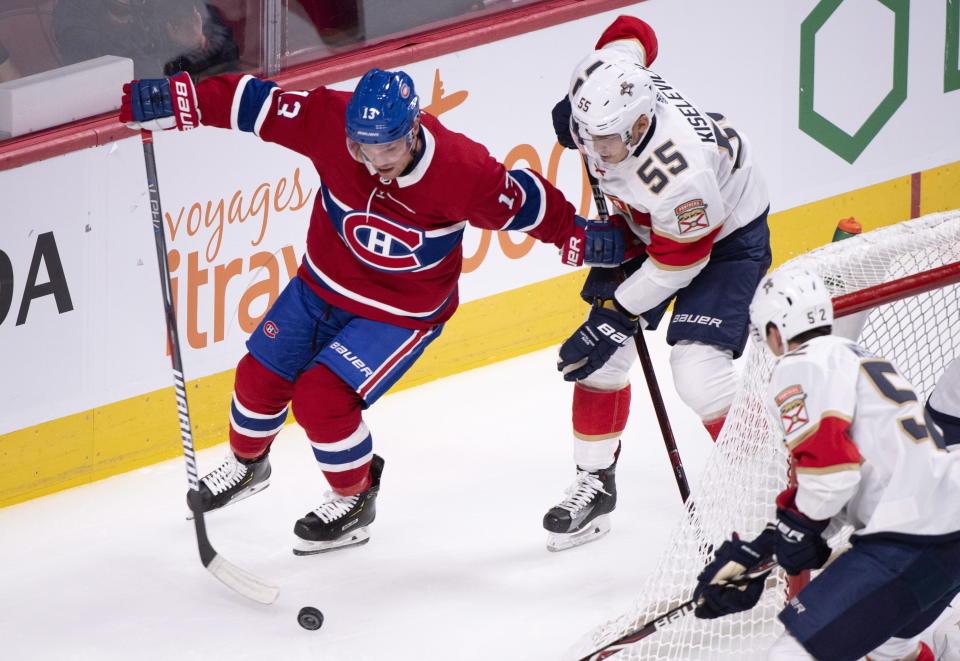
(329, 410)
(715, 426)
(599, 414)
(345, 484)
(260, 399)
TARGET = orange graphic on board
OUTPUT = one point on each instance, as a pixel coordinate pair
(439, 103)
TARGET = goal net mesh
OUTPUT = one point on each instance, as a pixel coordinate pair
(748, 466)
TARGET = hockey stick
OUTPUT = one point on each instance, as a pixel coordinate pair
(650, 627)
(647, 364)
(229, 574)
(666, 431)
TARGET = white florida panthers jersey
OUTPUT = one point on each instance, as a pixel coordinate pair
(861, 445)
(688, 183)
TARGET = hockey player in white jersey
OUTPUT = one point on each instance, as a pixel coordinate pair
(686, 184)
(865, 456)
(943, 410)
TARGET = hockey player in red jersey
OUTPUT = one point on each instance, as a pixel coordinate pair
(686, 184)
(865, 456)
(379, 276)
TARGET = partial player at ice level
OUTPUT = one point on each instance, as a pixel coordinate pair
(456, 567)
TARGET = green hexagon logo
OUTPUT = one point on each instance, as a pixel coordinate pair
(951, 66)
(845, 145)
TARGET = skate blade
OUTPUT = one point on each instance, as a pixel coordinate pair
(257, 489)
(596, 529)
(357, 537)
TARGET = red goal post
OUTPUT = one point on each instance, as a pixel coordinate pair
(911, 285)
(896, 290)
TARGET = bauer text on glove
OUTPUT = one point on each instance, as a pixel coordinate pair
(606, 329)
(595, 243)
(799, 544)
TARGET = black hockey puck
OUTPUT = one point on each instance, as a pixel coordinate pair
(310, 618)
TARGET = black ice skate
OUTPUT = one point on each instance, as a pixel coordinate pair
(341, 520)
(233, 480)
(583, 516)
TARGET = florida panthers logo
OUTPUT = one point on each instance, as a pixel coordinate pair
(692, 216)
(381, 242)
(793, 409)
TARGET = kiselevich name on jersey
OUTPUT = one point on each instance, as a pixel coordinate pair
(706, 320)
(352, 358)
(699, 123)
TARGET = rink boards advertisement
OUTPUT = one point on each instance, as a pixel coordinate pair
(849, 106)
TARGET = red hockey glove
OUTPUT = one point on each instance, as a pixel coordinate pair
(158, 104)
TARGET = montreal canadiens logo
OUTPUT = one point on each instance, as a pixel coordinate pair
(270, 329)
(381, 242)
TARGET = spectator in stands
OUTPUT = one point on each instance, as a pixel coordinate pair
(7, 70)
(337, 21)
(162, 37)
(205, 43)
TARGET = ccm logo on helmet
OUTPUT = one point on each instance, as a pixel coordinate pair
(381, 242)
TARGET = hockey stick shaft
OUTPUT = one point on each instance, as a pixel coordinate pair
(653, 387)
(665, 429)
(652, 626)
(646, 630)
(231, 575)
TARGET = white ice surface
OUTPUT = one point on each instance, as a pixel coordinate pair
(456, 567)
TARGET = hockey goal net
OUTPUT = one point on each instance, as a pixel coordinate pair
(894, 289)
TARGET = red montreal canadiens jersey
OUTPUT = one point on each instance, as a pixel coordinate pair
(388, 250)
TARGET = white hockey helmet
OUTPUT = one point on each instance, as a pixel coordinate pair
(609, 91)
(794, 299)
